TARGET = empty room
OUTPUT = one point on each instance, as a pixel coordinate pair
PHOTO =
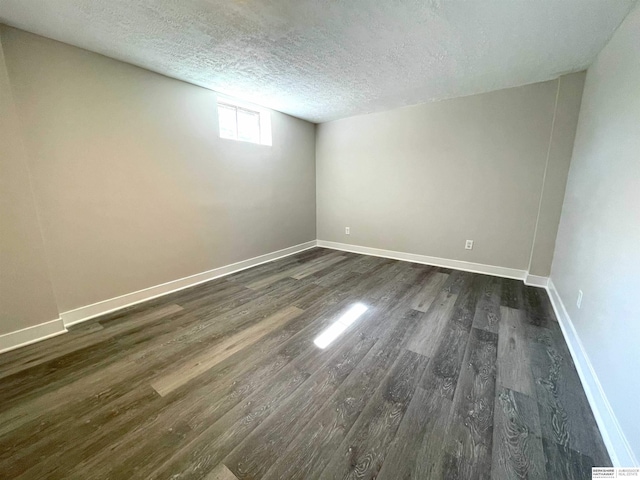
(319, 239)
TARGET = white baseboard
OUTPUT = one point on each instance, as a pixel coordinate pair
(536, 281)
(26, 336)
(106, 306)
(613, 436)
(435, 261)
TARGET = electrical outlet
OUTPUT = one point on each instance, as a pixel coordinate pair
(579, 301)
(347, 231)
(468, 245)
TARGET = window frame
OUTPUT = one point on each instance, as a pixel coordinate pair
(261, 117)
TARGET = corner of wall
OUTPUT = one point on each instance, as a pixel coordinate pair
(561, 139)
(27, 293)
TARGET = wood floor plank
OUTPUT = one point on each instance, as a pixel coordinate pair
(430, 290)
(210, 295)
(247, 411)
(261, 271)
(68, 436)
(261, 448)
(366, 263)
(444, 368)
(32, 355)
(220, 438)
(362, 452)
(310, 267)
(195, 367)
(136, 356)
(417, 446)
(517, 443)
(537, 307)
(511, 293)
(429, 332)
(51, 380)
(50, 361)
(387, 284)
(487, 314)
(216, 393)
(565, 463)
(330, 277)
(251, 274)
(133, 322)
(221, 472)
(247, 371)
(311, 450)
(467, 446)
(458, 281)
(310, 270)
(514, 357)
(443, 371)
(200, 453)
(224, 387)
(174, 420)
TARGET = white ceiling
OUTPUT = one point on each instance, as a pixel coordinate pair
(326, 59)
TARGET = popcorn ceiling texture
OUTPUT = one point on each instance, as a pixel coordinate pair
(321, 60)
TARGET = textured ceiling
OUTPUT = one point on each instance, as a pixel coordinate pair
(321, 59)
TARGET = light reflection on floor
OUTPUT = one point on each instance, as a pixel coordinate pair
(339, 326)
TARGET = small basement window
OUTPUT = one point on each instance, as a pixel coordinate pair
(244, 124)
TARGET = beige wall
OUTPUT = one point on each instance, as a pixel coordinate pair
(26, 295)
(599, 235)
(423, 179)
(134, 187)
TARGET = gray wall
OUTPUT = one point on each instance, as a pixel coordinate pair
(424, 179)
(563, 134)
(132, 184)
(597, 246)
(26, 295)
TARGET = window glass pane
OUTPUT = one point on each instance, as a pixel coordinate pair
(248, 126)
(265, 128)
(228, 124)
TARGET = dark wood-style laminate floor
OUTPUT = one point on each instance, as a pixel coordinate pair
(431, 373)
